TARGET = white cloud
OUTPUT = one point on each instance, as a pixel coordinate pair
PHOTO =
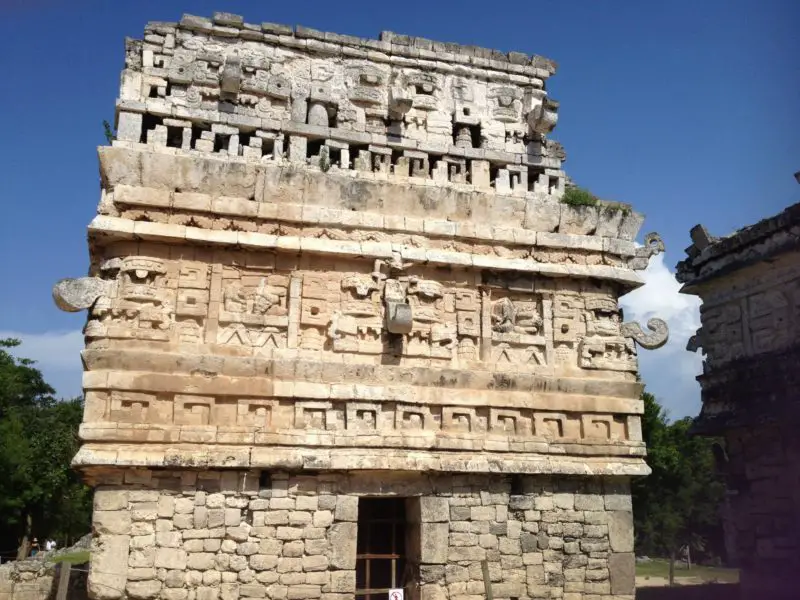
(668, 372)
(57, 355)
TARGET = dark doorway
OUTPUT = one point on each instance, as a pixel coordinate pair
(381, 547)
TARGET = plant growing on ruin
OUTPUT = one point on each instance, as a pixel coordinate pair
(577, 196)
(108, 132)
(611, 208)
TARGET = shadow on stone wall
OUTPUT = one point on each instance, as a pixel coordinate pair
(708, 591)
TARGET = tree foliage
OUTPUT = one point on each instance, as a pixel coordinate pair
(40, 495)
(678, 504)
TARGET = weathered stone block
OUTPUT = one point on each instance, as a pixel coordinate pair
(432, 592)
(622, 572)
(142, 558)
(108, 575)
(434, 510)
(433, 542)
(110, 499)
(200, 561)
(346, 508)
(142, 590)
(620, 531)
(343, 582)
(117, 522)
(207, 593)
(342, 537)
(252, 591)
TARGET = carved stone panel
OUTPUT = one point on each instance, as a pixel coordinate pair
(193, 410)
(769, 319)
(517, 327)
(253, 311)
(607, 353)
(139, 304)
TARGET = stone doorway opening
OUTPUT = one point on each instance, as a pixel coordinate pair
(382, 562)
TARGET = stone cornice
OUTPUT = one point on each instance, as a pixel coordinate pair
(203, 456)
(103, 228)
(389, 45)
(721, 256)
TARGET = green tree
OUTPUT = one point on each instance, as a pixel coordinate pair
(21, 384)
(39, 493)
(677, 505)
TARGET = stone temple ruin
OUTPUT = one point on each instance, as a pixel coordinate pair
(343, 335)
(750, 286)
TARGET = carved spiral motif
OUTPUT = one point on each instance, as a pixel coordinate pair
(650, 341)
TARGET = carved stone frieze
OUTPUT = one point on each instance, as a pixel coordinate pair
(517, 327)
(238, 420)
(308, 241)
(755, 323)
(253, 310)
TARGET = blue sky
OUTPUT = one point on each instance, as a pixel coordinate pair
(686, 109)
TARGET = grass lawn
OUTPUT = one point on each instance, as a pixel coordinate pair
(73, 558)
(660, 568)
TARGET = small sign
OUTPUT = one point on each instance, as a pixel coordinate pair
(396, 594)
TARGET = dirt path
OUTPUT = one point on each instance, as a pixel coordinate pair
(664, 581)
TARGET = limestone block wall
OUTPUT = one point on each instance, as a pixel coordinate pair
(207, 535)
(762, 505)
